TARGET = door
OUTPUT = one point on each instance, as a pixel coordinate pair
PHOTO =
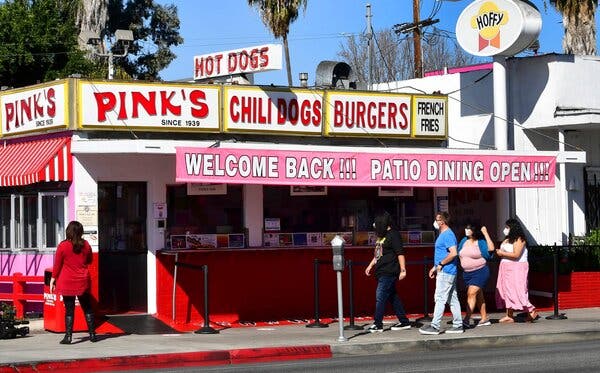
(122, 247)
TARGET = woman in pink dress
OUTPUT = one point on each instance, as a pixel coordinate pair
(511, 288)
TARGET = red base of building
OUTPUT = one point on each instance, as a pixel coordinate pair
(575, 290)
(278, 284)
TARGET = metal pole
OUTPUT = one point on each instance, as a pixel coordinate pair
(317, 323)
(369, 36)
(206, 329)
(351, 326)
(340, 300)
(426, 316)
(556, 315)
(174, 285)
(503, 208)
(564, 193)
(111, 68)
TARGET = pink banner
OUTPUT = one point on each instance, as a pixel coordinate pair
(276, 167)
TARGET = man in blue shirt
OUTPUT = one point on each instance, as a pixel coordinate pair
(444, 270)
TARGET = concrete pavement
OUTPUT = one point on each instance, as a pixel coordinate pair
(40, 350)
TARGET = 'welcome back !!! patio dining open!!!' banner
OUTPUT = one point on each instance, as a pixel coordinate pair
(329, 168)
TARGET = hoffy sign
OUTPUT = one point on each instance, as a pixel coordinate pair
(498, 27)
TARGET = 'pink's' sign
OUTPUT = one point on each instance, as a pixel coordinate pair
(274, 167)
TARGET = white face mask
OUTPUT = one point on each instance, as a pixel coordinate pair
(506, 231)
(436, 225)
(468, 232)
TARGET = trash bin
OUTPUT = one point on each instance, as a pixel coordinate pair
(54, 310)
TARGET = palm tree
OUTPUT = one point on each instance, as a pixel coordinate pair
(580, 25)
(278, 15)
(92, 15)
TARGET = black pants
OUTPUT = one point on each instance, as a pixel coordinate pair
(84, 301)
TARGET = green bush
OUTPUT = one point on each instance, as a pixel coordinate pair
(585, 252)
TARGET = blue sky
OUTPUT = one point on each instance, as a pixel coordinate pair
(212, 26)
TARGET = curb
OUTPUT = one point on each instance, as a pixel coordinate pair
(428, 345)
(186, 359)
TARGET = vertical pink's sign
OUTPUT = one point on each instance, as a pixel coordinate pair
(276, 167)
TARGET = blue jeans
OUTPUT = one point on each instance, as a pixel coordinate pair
(445, 292)
(386, 291)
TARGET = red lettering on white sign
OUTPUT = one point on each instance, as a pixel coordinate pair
(130, 104)
(39, 104)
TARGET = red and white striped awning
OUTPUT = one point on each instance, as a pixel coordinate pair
(29, 162)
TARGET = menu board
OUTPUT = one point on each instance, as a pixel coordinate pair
(361, 238)
(206, 241)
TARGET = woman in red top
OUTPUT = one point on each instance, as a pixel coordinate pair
(71, 278)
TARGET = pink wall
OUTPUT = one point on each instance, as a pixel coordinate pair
(27, 263)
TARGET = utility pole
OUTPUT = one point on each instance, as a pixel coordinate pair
(369, 36)
(417, 40)
(415, 27)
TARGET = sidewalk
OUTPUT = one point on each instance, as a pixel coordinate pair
(40, 350)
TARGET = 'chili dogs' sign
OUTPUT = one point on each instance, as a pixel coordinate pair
(294, 111)
(150, 106)
(27, 110)
(278, 167)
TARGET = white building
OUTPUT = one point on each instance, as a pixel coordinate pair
(553, 105)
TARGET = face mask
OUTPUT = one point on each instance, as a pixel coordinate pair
(436, 225)
(506, 231)
(468, 232)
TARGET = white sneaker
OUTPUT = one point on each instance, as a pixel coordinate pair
(375, 329)
(401, 326)
(455, 330)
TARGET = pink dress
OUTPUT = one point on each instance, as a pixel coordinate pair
(511, 288)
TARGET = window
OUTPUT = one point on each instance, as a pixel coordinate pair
(4, 222)
(32, 221)
(30, 213)
(53, 219)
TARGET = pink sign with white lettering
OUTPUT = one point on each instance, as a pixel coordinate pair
(277, 167)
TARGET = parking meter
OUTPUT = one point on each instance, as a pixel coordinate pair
(337, 244)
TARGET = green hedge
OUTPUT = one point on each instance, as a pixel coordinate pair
(583, 255)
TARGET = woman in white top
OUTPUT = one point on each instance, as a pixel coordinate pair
(511, 288)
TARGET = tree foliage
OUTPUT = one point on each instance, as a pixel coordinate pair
(393, 58)
(278, 15)
(39, 42)
(155, 30)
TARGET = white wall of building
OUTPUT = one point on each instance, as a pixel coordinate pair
(555, 90)
(545, 94)
(157, 170)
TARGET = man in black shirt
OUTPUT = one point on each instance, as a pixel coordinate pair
(390, 266)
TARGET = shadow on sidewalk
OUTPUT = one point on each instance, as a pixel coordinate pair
(143, 324)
